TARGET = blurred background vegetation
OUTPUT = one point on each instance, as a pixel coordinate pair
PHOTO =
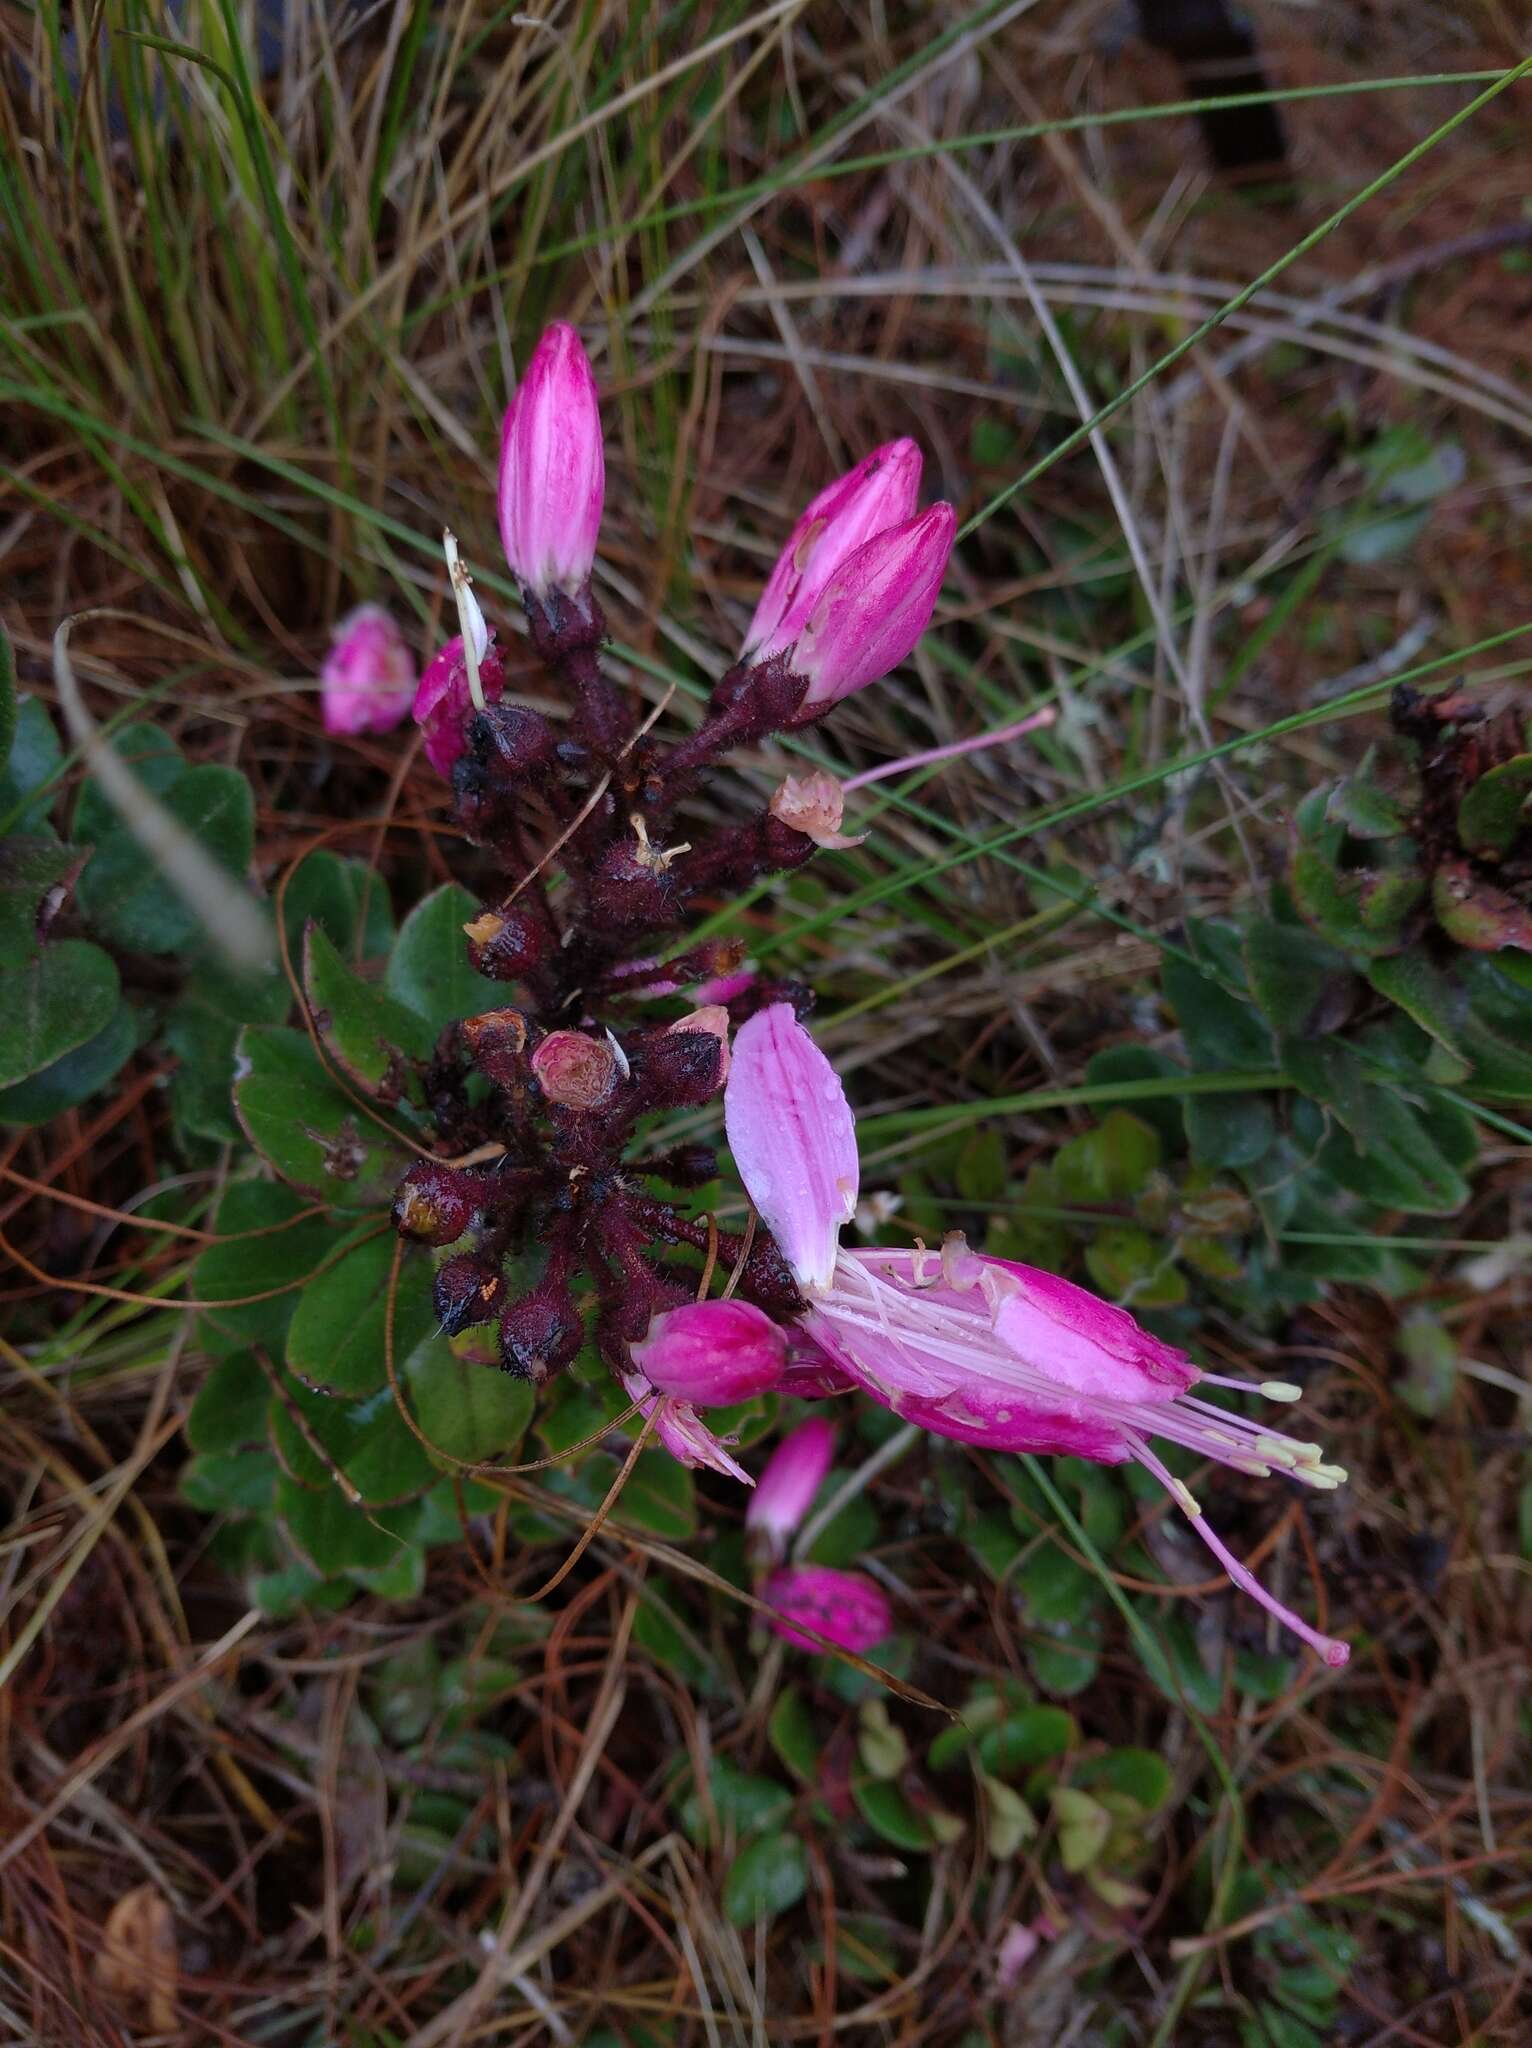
(1215, 995)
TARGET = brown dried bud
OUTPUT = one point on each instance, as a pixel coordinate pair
(814, 805)
(575, 1070)
(467, 1290)
(508, 942)
(496, 1041)
(435, 1203)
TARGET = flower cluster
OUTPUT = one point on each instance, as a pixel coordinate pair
(585, 819)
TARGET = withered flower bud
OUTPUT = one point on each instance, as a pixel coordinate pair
(814, 805)
(507, 942)
(540, 1333)
(435, 1203)
(512, 738)
(467, 1290)
(575, 1070)
(496, 1041)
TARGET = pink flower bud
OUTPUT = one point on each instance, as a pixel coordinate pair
(874, 609)
(552, 468)
(444, 704)
(785, 1491)
(575, 1070)
(848, 1607)
(368, 679)
(712, 1018)
(711, 1353)
(723, 988)
(880, 492)
(814, 805)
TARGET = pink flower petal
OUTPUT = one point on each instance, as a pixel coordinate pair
(794, 1140)
(848, 1607)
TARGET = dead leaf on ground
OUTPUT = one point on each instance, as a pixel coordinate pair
(138, 1955)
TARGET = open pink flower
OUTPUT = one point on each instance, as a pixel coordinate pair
(848, 1607)
(976, 1348)
(368, 679)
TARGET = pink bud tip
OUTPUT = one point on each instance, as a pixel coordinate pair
(553, 468)
(713, 1019)
(874, 609)
(575, 1070)
(878, 493)
(711, 1353)
(368, 679)
(444, 704)
(848, 1607)
(794, 1473)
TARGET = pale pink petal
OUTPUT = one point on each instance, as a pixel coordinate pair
(680, 1430)
(792, 1475)
(874, 609)
(794, 1140)
(848, 1607)
(711, 1353)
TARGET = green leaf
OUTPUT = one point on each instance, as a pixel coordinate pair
(1302, 983)
(1108, 1163)
(1084, 1826)
(1127, 1264)
(368, 1440)
(1431, 1353)
(29, 774)
(31, 866)
(1362, 805)
(336, 1339)
(1221, 1029)
(331, 1534)
(366, 1032)
(1143, 1063)
(1227, 1131)
(765, 1879)
(1493, 811)
(1023, 1740)
(282, 1255)
(156, 762)
(1362, 910)
(791, 1732)
(472, 1412)
(660, 1497)
(1065, 1668)
(1414, 981)
(230, 1482)
(79, 1074)
(202, 1088)
(54, 1003)
(982, 1166)
(299, 1121)
(125, 896)
(1497, 1029)
(229, 1412)
(346, 898)
(743, 1805)
(886, 1810)
(1139, 1774)
(848, 1536)
(428, 969)
(881, 1742)
(1011, 1822)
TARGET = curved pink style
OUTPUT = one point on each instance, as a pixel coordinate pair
(711, 1353)
(368, 680)
(553, 468)
(881, 491)
(848, 1607)
(793, 1138)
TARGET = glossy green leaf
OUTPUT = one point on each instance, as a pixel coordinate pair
(264, 1246)
(1139, 1774)
(468, 1411)
(29, 774)
(368, 1440)
(347, 899)
(1302, 983)
(765, 1879)
(336, 1339)
(128, 900)
(202, 1089)
(1025, 1739)
(368, 1035)
(31, 868)
(331, 1534)
(299, 1121)
(77, 1076)
(888, 1812)
(660, 1497)
(742, 1804)
(60, 1000)
(428, 969)
(792, 1735)
(1494, 810)
(229, 1412)
(1110, 1162)
(230, 1482)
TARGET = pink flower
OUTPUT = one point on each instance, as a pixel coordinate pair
(848, 1607)
(711, 1353)
(879, 492)
(723, 988)
(444, 705)
(553, 469)
(873, 610)
(976, 1348)
(785, 1491)
(368, 678)
(681, 1430)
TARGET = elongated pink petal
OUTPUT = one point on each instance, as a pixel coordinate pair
(794, 1140)
(879, 492)
(679, 1429)
(553, 468)
(874, 609)
(792, 1476)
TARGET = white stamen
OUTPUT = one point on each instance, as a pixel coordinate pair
(470, 619)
